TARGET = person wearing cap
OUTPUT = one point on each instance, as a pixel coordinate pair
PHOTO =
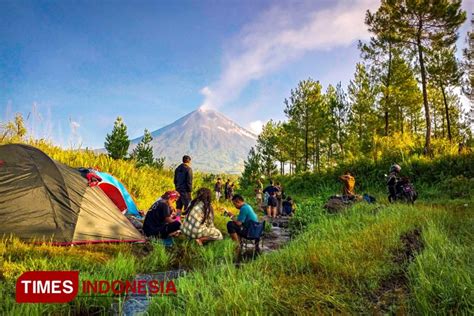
(183, 183)
(160, 220)
(392, 181)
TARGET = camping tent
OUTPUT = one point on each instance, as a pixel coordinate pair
(43, 199)
(116, 191)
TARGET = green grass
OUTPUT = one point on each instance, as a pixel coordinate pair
(335, 264)
(338, 263)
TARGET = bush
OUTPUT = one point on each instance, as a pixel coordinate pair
(458, 187)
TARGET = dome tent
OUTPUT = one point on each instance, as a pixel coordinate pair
(117, 192)
(41, 199)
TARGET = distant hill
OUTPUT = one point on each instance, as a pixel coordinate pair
(215, 143)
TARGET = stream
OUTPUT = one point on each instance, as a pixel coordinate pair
(135, 304)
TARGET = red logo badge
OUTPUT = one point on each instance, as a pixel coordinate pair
(47, 286)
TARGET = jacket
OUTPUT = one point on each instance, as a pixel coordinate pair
(183, 178)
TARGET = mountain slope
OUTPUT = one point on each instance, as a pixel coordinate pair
(215, 143)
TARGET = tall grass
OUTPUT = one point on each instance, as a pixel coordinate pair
(335, 265)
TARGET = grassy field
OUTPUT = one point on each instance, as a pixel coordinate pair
(371, 258)
(355, 262)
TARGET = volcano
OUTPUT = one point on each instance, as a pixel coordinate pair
(215, 143)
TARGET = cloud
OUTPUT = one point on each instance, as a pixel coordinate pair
(255, 127)
(281, 35)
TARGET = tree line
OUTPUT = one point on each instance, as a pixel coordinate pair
(117, 144)
(403, 86)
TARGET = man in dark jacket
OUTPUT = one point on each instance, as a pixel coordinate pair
(183, 182)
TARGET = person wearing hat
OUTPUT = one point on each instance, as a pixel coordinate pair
(160, 220)
(392, 180)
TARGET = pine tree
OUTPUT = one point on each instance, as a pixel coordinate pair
(143, 153)
(419, 26)
(301, 110)
(266, 147)
(405, 95)
(379, 52)
(468, 67)
(361, 94)
(252, 169)
(444, 72)
(338, 112)
(117, 142)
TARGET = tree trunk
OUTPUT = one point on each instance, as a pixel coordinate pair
(427, 148)
(306, 151)
(402, 119)
(446, 108)
(318, 155)
(387, 95)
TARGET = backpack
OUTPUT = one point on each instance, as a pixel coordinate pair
(254, 229)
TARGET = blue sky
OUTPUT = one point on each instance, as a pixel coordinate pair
(74, 66)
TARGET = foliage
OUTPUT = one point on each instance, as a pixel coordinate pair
(143, 153)
(15, 131)
(457, 187)
(117, 142)
(418, 26)
(252, 169)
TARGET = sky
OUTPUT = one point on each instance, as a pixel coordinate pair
(71, 67)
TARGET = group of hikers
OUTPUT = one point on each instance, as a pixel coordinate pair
(272, 200)
(229, 188)
(195, 217)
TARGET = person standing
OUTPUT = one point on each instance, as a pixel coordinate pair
(259, 193)
(230, 191)
(392, 181)
(226, 189)
(218, 189)
(272, 200)
(279, 197)
(183, 183)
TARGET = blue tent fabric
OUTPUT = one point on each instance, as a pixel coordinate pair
(131, 207)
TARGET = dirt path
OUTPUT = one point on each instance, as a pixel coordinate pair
(394, 289)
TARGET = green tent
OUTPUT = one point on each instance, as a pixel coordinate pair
(43, 200)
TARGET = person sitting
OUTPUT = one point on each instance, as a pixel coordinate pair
(288, 207)
(160, 220)
(199, 221)
(238, 226)
(272, 202)
(349, 183)
(258, 193)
